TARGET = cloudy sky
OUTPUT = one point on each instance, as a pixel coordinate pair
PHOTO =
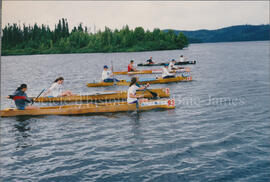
(182, 15)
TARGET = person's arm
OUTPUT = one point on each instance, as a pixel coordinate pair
(167, 72)
(49, 90)
(111, 73)
(134, 96)
(29, 100)
(10, 96)
(144, 87)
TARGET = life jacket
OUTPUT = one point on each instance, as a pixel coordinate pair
(130, 68)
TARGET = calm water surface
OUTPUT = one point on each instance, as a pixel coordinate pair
(219, 131)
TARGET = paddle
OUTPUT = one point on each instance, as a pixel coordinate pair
(112, 73)
(154, 94)
(38, 96)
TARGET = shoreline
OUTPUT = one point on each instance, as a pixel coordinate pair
(78, 52)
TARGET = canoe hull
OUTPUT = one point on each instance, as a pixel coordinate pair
(155, 71)
(91, 108)
(117, 95)
(162, 64)
(157, 81)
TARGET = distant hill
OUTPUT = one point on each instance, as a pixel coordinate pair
(228, 34)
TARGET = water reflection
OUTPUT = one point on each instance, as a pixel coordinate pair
(136, 128)
(22, 126)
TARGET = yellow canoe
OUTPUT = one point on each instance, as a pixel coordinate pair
(107, 95)
(91, 108)
(153, 71)
(158, 80)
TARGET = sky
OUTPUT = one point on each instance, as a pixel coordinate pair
(180, 15)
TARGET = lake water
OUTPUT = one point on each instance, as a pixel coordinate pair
(219, 131)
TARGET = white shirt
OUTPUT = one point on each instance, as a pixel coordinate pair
(132, 90)
(166, 72)
(106, 74)
(182, 59)
(171, 66)
(56, 89)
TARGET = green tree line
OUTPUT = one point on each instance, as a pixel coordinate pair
(37, 39)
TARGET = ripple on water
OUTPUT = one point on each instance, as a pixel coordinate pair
(203, 139)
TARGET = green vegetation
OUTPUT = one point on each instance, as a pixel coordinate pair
(36, 39)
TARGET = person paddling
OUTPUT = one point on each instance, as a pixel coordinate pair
(107, 75)
(133, 87)
(172, 65)
(20, 98)
(56, 89)
(150, 61)
(131, 67)
(166, 73)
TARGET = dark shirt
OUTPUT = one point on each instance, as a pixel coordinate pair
(20, 98)
(150, 61)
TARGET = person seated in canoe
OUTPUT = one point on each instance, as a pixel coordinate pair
(20, 98)
(57, 89)
(150, 61)
(107, 75)
(172, 65)
(131, 67)
(182, 59)
(133, 87)
(166, 73)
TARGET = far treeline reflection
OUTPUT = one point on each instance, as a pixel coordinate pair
(18, 40)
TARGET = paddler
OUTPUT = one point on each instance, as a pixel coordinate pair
(150, 61)
(182, 59)
(56, 89)
(172, 65)
(166, 73)
(133, 87)
(131, 66)
(20, 98)
(107, 75)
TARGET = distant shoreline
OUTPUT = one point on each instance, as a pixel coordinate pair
(135, 51)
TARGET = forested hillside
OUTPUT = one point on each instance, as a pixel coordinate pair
(17, 39)
(228, 34)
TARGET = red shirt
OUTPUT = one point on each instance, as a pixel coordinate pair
(130, 68)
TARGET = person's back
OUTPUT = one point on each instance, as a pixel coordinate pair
(105, 74)
(166, 73)
(182, 59)
(150, 61)
(132, 90)
(20, 99)
(55, 89)
(130, 67)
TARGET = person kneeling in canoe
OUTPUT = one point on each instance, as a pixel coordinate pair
(131, 67)
(107, 75)
(56, 89)
(150, 61)
(20, 98)
(166, 72)
(133, 87)
(182, 59)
